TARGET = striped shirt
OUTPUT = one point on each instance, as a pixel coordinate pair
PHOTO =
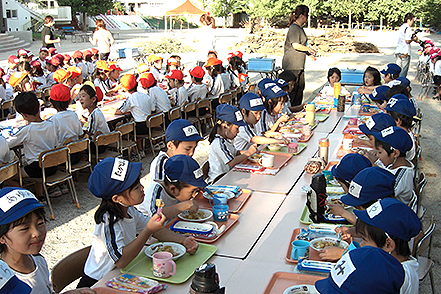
(157, 167)
(220, 154)
(153, 193)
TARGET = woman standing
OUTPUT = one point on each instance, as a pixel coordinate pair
(295, 51)
(104, 39)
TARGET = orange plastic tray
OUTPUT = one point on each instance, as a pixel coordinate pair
(234, 204)
(232, 219)
(341, 152)
(280, 281)
(306, 139)
(280, 159)
(288, 258)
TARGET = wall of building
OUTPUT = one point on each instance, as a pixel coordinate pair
(17, 17)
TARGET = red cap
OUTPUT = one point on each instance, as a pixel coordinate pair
(53, 51)
(53, 60)
(21, 52)
(44, 49)
(171, 61)
(66, 57)
(74, 71)
(212, 61)
(35, 63)
(197, 72)
(60, 92)
(235, 53)
(175, 74)
(61, 75)
(99, 94)
(433, 50)
(94, 51)
(13, 59)
(147, 79)
(77, 54)
(87, 53)
(128, 82)
(114, 67)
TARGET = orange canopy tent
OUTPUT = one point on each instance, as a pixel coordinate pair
(186, 8)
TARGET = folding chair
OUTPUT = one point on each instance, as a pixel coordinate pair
(126, 143)
(420, 183)
(80, 146)
(225, 98)
(106, 139)
(190, 113)
(422, 243)
(156, 126)
(9, 170)
(174, 113)
(204, 117)
(234, 100)
(50, 158)
(6, 105)
(69, 269)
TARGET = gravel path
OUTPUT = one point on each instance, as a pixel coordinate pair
(72, 228)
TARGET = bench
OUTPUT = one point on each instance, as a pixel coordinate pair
(69, 30)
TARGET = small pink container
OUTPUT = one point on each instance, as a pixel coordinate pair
(293, 147)
(306, 130)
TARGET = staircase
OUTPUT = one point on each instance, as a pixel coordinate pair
(11, 44)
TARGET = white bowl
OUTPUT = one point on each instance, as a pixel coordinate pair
(185, 216)
(177, 248)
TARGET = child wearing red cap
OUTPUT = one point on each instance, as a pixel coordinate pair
(236, 70)
(217, 86)
(177, 89)
(112, 82)
(197, 89)
(78, 60)
(159, 98)
(44, 52)
(12, 67)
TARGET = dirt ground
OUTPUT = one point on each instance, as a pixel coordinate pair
(73, 227)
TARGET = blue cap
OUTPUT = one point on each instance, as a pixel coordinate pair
(350, 165)
(376, 123)
(364, 270)
(251, 101)
(401, 104)
(265, 83)
(379, 93)
(391, 68)
(392, 216)
(396, 137)
(112, 176)
(184, 168)
(404, 81)
(281, 82)
(182, 130)
(231, 114)
(16, 203)
(9, 283)
(370, 184)
(273, 92)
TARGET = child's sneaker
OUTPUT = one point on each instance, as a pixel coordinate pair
(54, 192)
(134, 157)
(141, 153)
(63, 188)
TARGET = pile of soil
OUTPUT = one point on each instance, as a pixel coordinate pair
(270, 41)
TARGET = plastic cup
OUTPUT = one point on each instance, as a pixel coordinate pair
(299, 248)
(220, 213)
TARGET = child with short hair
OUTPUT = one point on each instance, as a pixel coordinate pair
(401, 109)
(334, 76)
(222, 154)
(52, 64)
(390, 224)
(197, 90)
(251, 107)
(390, 72)
(155, 66)
(159, 98)
(181, 137)
(271, 118)
(38, 136)
(42, 54)
(216, 87)
(374, 124)
(112, 82)
(379, 96)
(177, 89)
(183, 179)
(22, 235)
(121, 231)
(78, 60)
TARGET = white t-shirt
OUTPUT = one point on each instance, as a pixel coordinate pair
(139, 104)
(108, 242)
(243, 139)
(217, 87)
(154, 192)
(160, 100)
(84, 69)
(226, 79)
(410, 155)
(103, 37)
(437, 70)
(411, 280)
(38, 280)
(266, 121)
(197, 91)
(328, 90)
(157, 167)
(403, 182)
(96, 122)
(404, 34)
(9, 92)
(36, 138)
(50, 80)
(221, 152)
(155, 72)
(4, 150)
(68, 126)
(181, 96)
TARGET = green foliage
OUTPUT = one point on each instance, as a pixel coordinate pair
(90, 7)
(223, 8)
(120, 6)
(163, 45)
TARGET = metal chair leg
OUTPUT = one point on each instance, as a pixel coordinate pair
(46, 194)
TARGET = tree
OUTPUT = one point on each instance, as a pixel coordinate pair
(222, 8)
(90, 7)
(347, 8)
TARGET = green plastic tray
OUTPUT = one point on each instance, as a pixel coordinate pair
(304, 217)
(321, 117)
(284, 149)
(185, 265)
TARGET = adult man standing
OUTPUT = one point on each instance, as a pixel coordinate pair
(402, 53)
(47, 36)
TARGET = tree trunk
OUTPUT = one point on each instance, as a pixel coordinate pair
(84, 26)
(350, 20)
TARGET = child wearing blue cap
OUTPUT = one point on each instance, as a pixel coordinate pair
(348, 167)
(403, 112)
(181, 137)
(365, 270)
(251, 107)
(334, 76)
(379, 226)
(222, 154)
(379, 96)
(391, 72)
(121, 230)
(22, 235)
(392, 144)
(374, 124)
(272, 117)
(183, 179)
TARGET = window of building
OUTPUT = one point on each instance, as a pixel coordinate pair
(11, 13)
